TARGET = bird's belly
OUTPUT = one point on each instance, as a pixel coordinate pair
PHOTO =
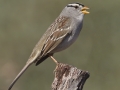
(68, 41)
(63, 46)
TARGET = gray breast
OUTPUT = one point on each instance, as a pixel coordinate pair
(70, 39)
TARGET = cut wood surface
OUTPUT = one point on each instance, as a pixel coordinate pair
(68, 77)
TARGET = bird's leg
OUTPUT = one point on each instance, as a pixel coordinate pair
(55, 62)
(54, 59)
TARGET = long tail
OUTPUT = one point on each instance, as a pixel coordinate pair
(18, 76)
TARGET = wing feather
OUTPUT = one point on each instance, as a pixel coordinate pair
(57, 31)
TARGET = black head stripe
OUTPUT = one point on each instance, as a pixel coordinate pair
(70, 5)
(80, 4)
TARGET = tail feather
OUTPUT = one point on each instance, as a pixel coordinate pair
(18, 76)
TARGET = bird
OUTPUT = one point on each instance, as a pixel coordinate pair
(61, 34)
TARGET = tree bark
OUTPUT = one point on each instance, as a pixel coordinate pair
(68, 77)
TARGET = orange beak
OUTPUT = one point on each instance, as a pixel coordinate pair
(84, 10)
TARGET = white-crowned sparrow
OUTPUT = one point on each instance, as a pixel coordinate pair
(60, 35)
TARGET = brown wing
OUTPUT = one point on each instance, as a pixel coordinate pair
(58, 33)
(54, 40)
(51, 38)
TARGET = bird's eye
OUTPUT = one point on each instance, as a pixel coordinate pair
(76, 7)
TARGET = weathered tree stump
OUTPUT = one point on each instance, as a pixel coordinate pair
(68, 77)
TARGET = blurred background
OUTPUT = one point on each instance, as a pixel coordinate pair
(97, 50)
